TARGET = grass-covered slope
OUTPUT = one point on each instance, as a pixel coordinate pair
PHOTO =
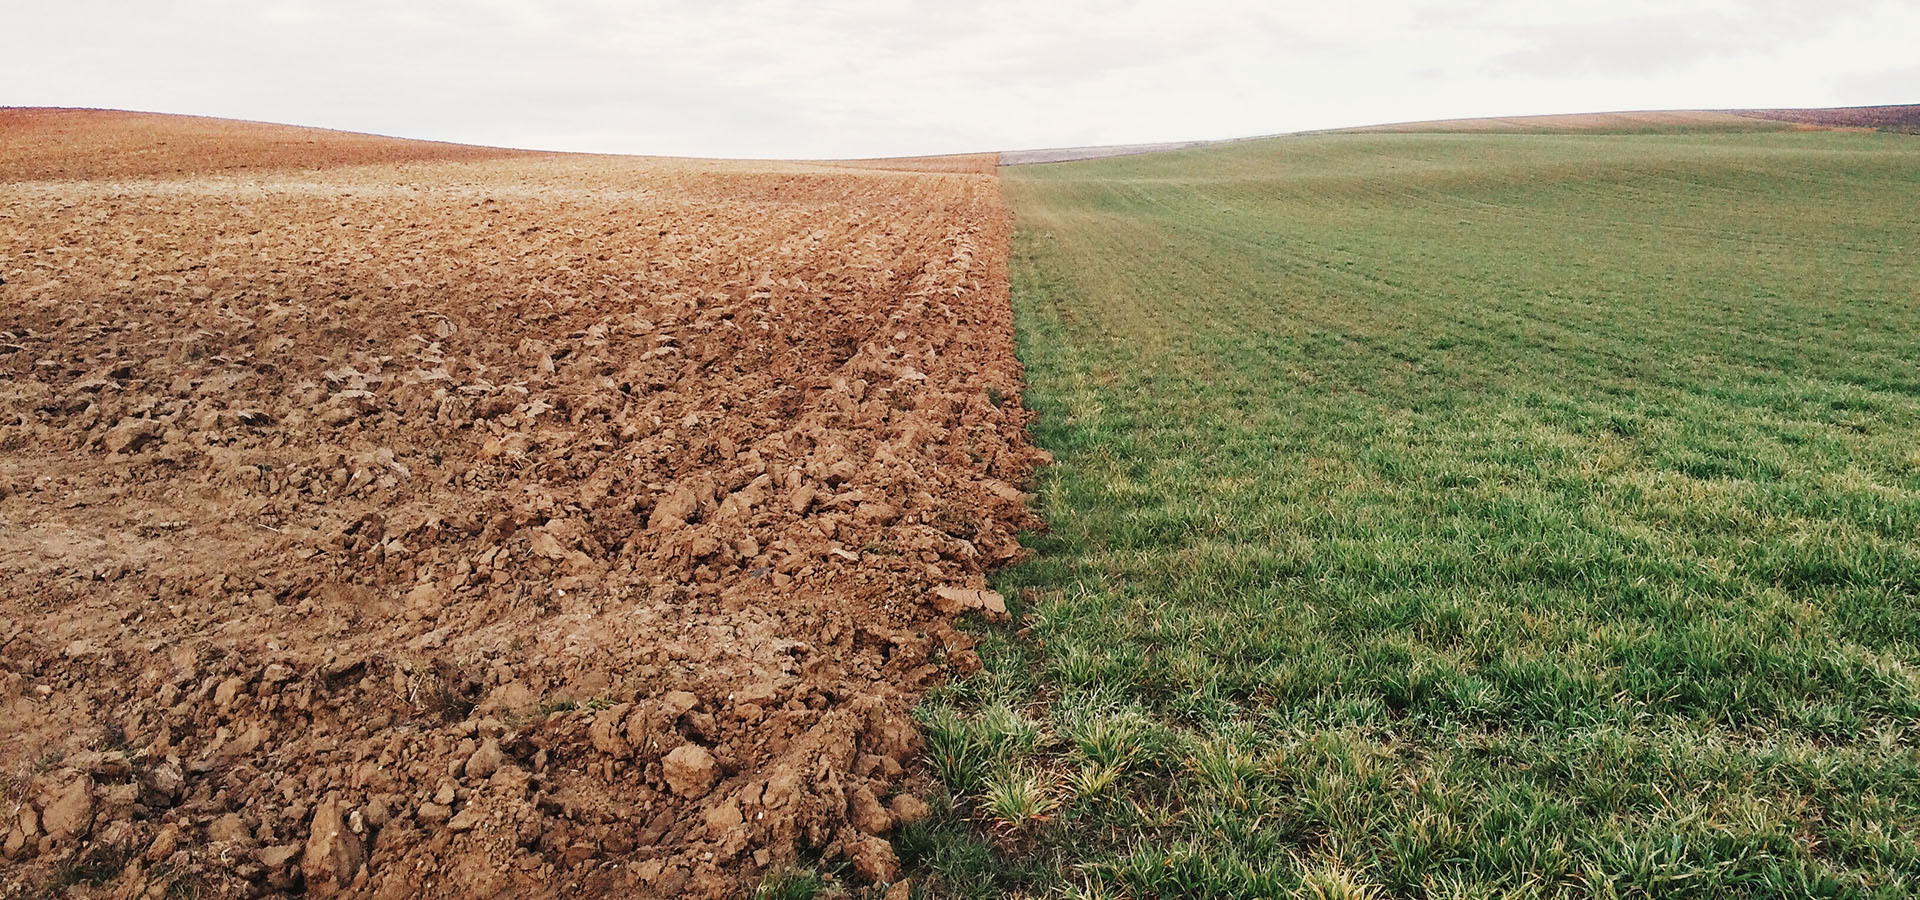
(1661, 121)
(1460, 516)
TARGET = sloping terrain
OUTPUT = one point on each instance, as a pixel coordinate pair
(60, 144)
(961, 163)
(1071, 154)
(1673, 121)
(417, 520)
(1459, 515)
(1904, 119)
(1646, 122)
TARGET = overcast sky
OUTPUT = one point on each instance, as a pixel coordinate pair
(834, 78)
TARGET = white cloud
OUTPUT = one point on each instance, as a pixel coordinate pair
(866, 77)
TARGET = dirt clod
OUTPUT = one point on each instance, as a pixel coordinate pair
(485, 761)
(908, 809)
(66, 811)
(130, 435)
(950, 600)
(873, 858)
(333, 854)
(690, 770)
(866, 813)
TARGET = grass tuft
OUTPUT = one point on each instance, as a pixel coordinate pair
(790, 884)
(1019, 798)
(1334, 883)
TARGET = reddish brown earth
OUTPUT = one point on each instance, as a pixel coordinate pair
(419, 520)
(64, 144)
(1904, 119)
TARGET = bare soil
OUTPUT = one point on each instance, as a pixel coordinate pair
(961, 163)
(1904, 119)
(400, 519)
(61, 144)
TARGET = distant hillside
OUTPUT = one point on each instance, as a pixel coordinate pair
(62, 144)
(1645, 122)
(954, 163)
(1070, 154)
(1663, 121)
(55, 144)
(1639, 122)
(1903, 119)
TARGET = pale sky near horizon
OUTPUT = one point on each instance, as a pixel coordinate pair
(841, 78)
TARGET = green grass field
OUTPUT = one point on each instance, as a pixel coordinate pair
(1458, 516)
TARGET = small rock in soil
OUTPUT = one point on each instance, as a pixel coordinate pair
(690, 770)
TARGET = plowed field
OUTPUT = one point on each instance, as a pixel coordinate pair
(1905, 119)
(398, 519)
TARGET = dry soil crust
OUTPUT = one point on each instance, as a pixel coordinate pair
(481, 524)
